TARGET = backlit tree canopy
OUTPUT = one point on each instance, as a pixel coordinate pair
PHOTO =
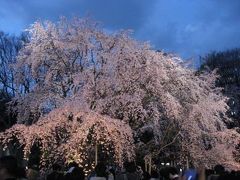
(70, 134)
(114, 75)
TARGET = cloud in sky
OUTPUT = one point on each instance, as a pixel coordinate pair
(194, 27)
(188, 28)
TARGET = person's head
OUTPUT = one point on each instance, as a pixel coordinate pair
(130, 167)
(100, 169)
(209, 172)
(8, 166)
(146, 175)
(33, 165)
(77, 173)
(173, 173)
(191, 165)
(56, 167)
(22, 172)
(72, 164)
(219, 169)
(164, 172)
(154, 174)
(111, 170)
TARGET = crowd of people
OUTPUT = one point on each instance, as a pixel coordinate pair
(10, 170)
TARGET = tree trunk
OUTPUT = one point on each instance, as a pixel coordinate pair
(150, 164)
(187, 163)
(96, 154)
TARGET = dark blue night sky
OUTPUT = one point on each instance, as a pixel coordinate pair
(187, 27)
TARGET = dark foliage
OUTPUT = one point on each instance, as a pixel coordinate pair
(227, 66)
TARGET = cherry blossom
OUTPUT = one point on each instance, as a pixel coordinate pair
(123, 82)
